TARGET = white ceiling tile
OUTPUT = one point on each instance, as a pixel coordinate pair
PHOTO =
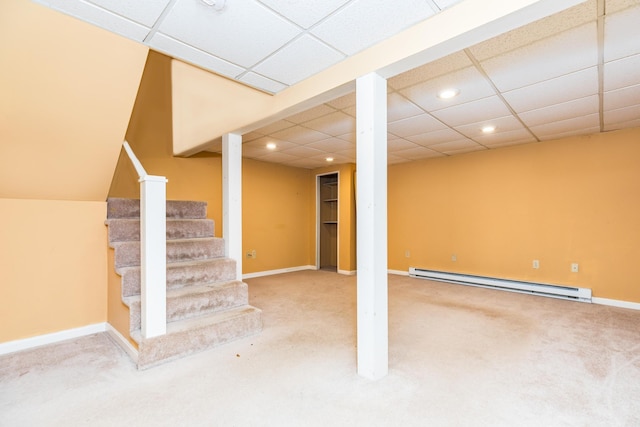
(414, 125)
(566, 110)
(275, 127)
(262, 82)
(303, 151)
(548, 58)
(312, 12)
(575, 126)
(399, 144)
(622, 125)
(469, 149)
(144, 12)
(331, 145)
(557, 23)
(350, 111)
(417, 153)
(399, 107)
(621, 98)
(350, 153)
(622, 72)
(334, 124)
(310, 114)
(276, 157)
(298, 60)
(621, 34)
(576, 132)
(461, 144)
(263, 32)
(363, 23)
(187, 53)
(508, 143)
(502, 124)
(555, 91)
(473, 112)
(258, 147)
(446, 65)
(500, 138)
(299, 135)
(350, 137)
(394, 160)
(100, 17)
(618, 5)
(251, 136)
(443, 4)
(471, 84)
(436, 137)
(622, 115)
(344, 101)
(306, 163)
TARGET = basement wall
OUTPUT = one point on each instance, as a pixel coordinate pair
(573, 200)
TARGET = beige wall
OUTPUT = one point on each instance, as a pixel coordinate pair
(52, 266)
(275, 216)
(570, 200)
(67, 92)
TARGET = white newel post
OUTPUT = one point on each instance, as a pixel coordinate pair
(153, 262)
(371, 163)
(232, 198)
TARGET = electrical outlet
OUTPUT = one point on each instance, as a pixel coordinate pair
(536, 264)
(249, 254)
(407, 254)
(574, 267)
(454, 258)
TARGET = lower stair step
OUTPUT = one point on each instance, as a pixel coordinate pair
(195, 301)
(197, 334)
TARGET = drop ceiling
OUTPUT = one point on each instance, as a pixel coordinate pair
(573, 73)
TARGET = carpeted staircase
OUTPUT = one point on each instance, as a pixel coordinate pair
(206, 304)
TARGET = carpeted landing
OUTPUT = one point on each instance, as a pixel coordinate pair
(458, 356)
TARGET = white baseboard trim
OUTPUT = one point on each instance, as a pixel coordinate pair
(52, 338)
(399, 272)
(123, 343)
(347, 272)
(279, 271)
(616, 303)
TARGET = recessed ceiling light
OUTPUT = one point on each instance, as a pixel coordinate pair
(271, 145)
(488, 129)
(448, 93)
(329, 159)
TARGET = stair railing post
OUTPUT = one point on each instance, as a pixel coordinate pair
(153, 255)
(153, 249)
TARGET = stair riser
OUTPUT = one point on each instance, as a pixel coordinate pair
(178, 276)
(127, 254)
(130, 208)
(126, 230)
(189, 306)
(160, 349)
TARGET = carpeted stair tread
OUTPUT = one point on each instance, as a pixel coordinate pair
(181, 274)
(197, 334)
(193, 301)
(128, 229)
(130, 208)
(127, 254)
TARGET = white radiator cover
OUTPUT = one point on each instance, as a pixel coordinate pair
(541, 289)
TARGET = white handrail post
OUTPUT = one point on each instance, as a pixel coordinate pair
(153, 255)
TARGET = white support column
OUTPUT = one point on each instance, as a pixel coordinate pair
(232, 198)
(153, 253)
(371, 164)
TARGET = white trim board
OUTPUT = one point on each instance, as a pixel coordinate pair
(616, 303)
(123, 343)
(52, 338)
(347, 272)
(398, 272)
(278, 271)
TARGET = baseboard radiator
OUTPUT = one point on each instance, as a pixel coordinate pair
(541, 289)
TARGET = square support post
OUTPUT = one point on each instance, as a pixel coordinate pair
(153, 255)
(371, 156)
(232, 198)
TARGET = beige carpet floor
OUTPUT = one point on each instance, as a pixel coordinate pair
(458, 356)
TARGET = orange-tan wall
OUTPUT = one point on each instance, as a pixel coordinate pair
(275, 216)
(564, 201)
(52, 266)
(346, 215)
(67, 90)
